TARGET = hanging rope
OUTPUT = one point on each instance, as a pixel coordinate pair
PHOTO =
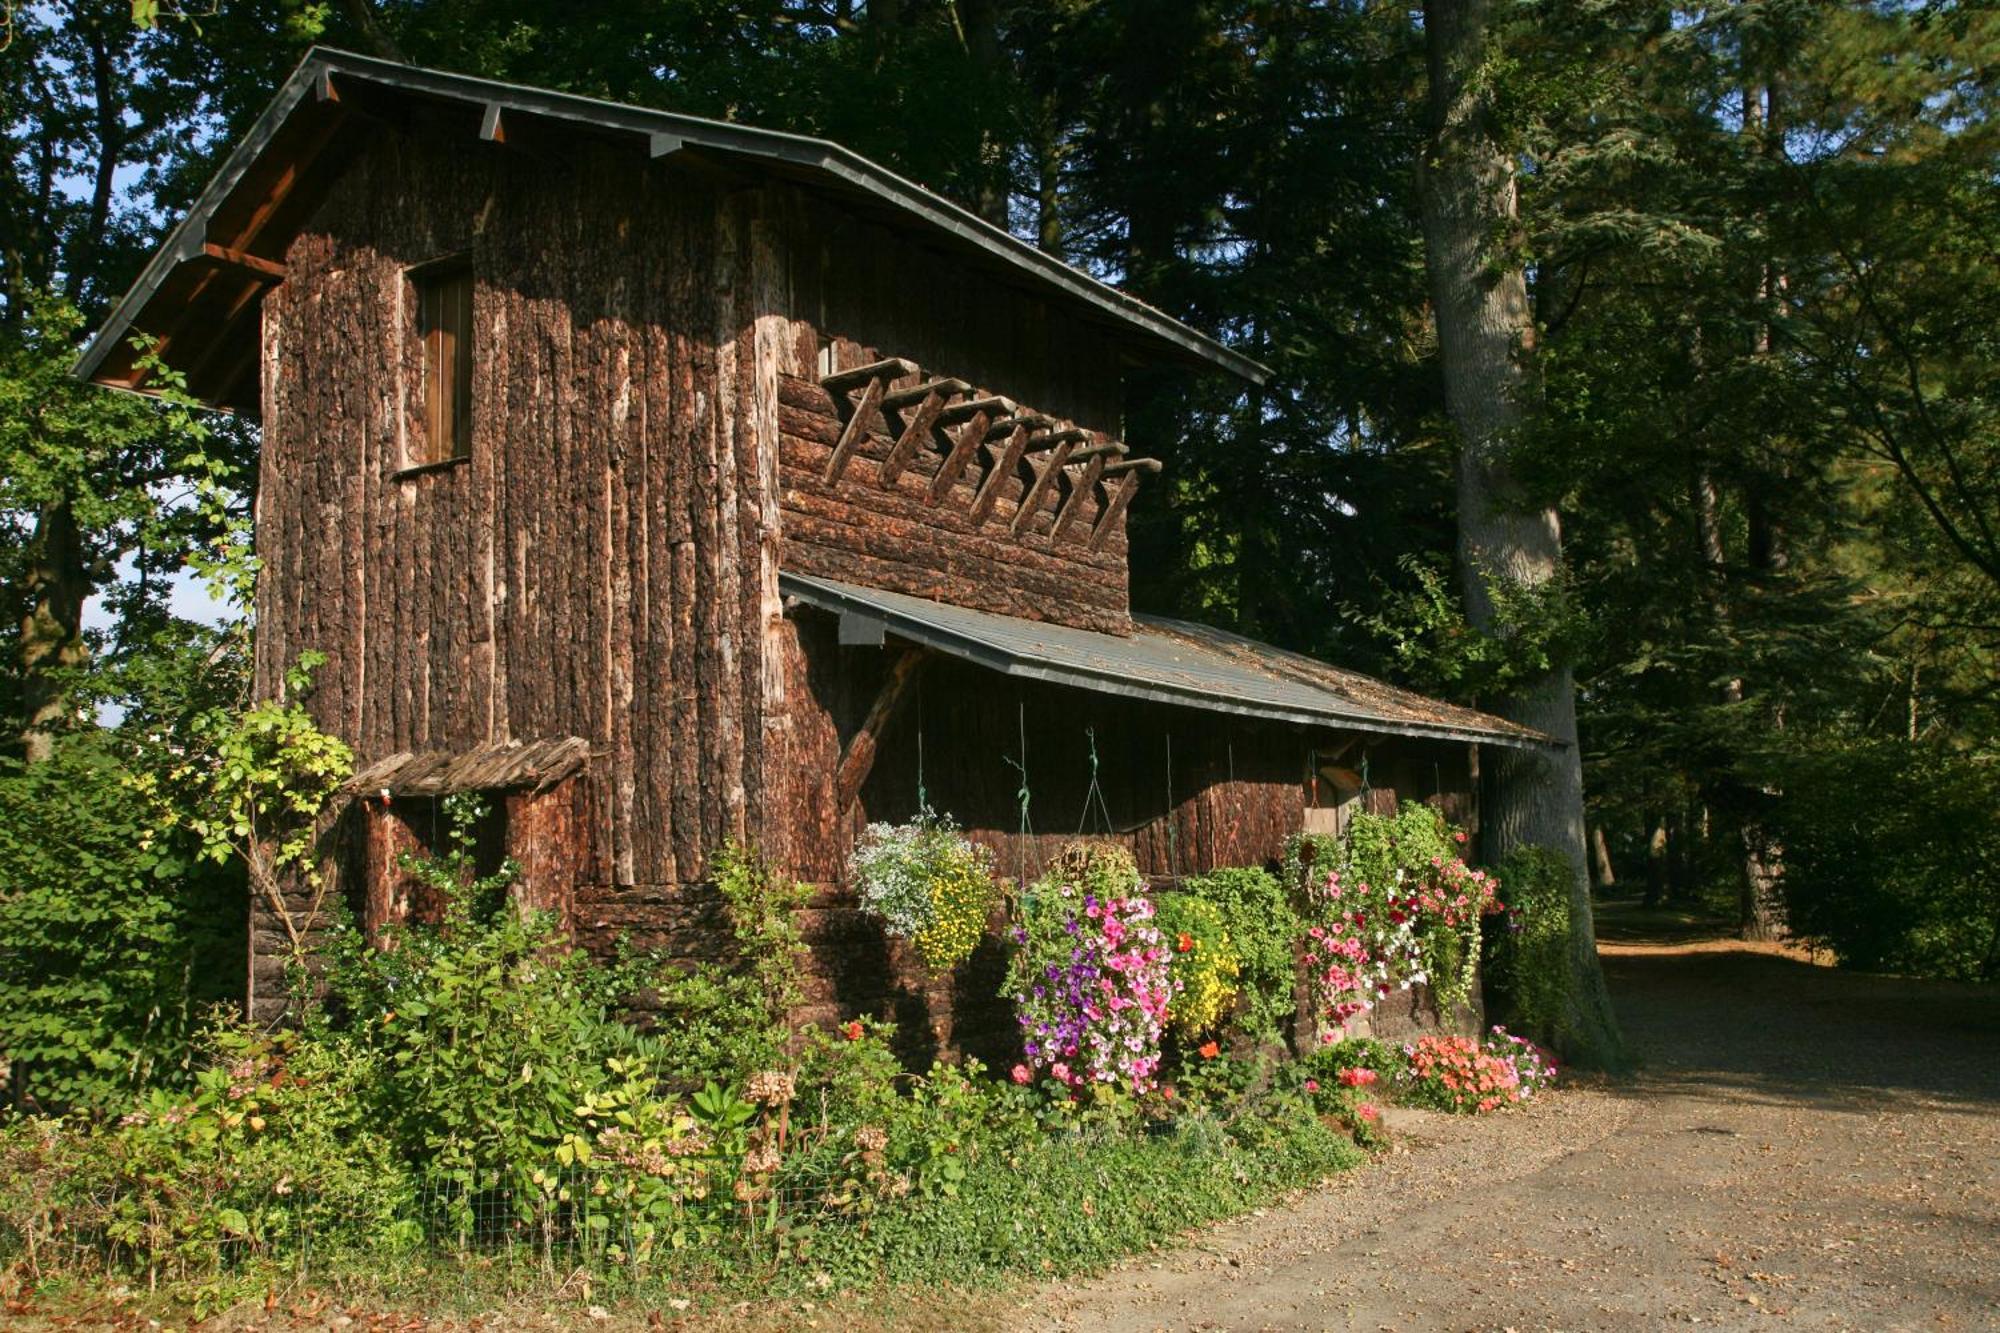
(1093, 798)
(1027, 828)
(923, 797)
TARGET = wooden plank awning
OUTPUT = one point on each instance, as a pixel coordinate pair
(507, 766)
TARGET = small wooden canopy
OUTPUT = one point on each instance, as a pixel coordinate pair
(198, 297)
(507, 766)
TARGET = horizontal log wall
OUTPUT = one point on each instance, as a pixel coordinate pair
(856, 293)
(894, 537)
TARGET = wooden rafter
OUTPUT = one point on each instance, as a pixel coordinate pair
(858, 759)
(268, 270)
(856, 429)
(1132, 465)
(963, 446)
(1045, 477)
(898, 399)
(892, 368)
(1120, 500)
(492, 124)
(998, 475)
(1085, 484)
(917, 429)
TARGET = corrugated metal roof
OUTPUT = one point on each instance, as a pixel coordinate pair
(658, 132)
(1169, 661)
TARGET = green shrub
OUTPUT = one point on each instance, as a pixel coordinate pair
(1264, 929)
(1891, 856)
(113, 940)
(1528, 973)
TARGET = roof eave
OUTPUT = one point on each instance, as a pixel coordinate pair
(912, 629)
(801, 151)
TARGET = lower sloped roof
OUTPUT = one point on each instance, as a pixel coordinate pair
(1168, 661)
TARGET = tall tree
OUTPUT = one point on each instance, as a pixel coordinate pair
(1486, 336)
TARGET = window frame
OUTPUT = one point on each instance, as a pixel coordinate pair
(446, 278)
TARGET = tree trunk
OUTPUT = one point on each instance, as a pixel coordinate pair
(51, 626)
(1600, 852)
(1656, 863)
(1486, 335)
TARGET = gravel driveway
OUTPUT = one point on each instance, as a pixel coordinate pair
(1802, 1147)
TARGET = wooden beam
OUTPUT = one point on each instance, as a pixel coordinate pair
(855, 431)
(915, 431)
(287, 181)
(998, 475)
(1031, 503)
(963, 447)
(1067, 435)
(1133, 465)
(946, 387)
(199, 367)
(965, 407)
(1115, 448)
(1108, 519)
(268, 269)
(661, 144)
(323, 89)
(1083, 487)
(492, 128)
(858, 759)
(893, 368)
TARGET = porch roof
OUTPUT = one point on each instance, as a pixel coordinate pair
(1167, 661)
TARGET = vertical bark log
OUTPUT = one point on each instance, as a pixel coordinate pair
(1486, 333)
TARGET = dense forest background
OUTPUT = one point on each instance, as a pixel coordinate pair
(1762, 242)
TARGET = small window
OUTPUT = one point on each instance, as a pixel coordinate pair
(444, 323)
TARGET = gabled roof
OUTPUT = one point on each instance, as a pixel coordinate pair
(1167, 661)
(199, 294)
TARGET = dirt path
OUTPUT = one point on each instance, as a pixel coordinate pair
(1802, 1147)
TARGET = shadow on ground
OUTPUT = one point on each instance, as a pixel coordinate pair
(1703, 1010)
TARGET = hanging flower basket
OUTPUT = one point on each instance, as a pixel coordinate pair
(927, 883)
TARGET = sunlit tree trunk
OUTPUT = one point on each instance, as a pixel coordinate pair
(1486, 335)
(51, 626)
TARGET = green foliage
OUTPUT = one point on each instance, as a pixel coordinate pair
(740, 1014)
(487, 1028)
(1203, 962)
(109, 931)
(1892, 857)
(1264, 930)
(1528, 972)
(1535, 629)
(1058, 1206)
(276, 1142)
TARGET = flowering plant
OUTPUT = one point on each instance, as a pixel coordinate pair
(1466, 1076)
(1393, 906)
(1090, 975)
(1202, 960)
(928, 883)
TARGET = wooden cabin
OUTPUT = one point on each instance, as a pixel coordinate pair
(674, 481)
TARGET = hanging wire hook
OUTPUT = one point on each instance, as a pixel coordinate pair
(1093, 797)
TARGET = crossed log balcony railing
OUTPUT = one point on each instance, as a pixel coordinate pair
(943, 414)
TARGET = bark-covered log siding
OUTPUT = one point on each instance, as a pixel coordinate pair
(601, 564)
